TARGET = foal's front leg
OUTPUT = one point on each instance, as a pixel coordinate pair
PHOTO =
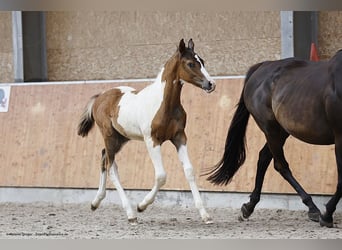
(189, 174)
(160, 174)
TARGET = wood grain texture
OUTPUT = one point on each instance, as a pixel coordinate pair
(39, 145)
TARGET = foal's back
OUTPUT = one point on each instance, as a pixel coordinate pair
(128, 111)
(105, 110)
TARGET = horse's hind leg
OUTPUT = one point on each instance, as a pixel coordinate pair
(327, 218)
(276, 142)
(101, 193)
(265, 157)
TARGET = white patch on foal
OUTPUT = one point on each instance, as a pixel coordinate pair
(125, 89)
(137, 110)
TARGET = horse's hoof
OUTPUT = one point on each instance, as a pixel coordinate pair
(245, 213)
(314, 216)
(325, 223)
(242, 218)
(133, 221)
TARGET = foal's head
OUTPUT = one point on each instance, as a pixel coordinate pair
(191, 67)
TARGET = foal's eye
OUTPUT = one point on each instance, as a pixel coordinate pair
(191, 65)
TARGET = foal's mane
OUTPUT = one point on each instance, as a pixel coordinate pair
(170, 65)
(174, 60)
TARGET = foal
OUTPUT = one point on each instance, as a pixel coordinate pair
(154, 114)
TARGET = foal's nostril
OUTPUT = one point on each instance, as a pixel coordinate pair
(212, 85)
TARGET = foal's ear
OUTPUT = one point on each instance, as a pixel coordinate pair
(191, 44)
(181, 47)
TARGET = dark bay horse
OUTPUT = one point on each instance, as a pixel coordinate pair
(153, 115)
(287, 97)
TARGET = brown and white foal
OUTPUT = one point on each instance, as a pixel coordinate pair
(154, 114)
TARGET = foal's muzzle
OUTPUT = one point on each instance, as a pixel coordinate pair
(209, 86)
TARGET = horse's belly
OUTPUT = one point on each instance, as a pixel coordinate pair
(317, 139)
(309, 131)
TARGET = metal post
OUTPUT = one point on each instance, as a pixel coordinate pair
(34, 46)
(287, 43)
(17, 35)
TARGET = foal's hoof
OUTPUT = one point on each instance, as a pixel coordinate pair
(325, 223)
(140, 209)
(133, 221)
(314, 216)
(93, 208)
(207, 221)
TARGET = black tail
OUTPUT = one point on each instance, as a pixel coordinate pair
(87, 120)
(235, 153)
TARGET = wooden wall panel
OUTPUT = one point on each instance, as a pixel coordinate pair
(39, 145)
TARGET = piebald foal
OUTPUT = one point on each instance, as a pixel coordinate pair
(154, 114)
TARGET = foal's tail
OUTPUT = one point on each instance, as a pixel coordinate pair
(235, 153)
(87, 120)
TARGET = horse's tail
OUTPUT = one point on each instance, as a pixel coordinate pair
(235, 153)
(87, 120)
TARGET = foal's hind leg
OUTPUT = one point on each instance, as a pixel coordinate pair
(101, 193)
(327, 218)
(113, 144)
(276, 142)
(114, 176)
(265, 157)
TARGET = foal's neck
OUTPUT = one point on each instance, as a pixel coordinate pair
(173, 84)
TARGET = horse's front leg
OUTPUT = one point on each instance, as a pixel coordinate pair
(327, 218)
(189, 174)
(160, 174)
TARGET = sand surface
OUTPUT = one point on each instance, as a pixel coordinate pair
(77, 221)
